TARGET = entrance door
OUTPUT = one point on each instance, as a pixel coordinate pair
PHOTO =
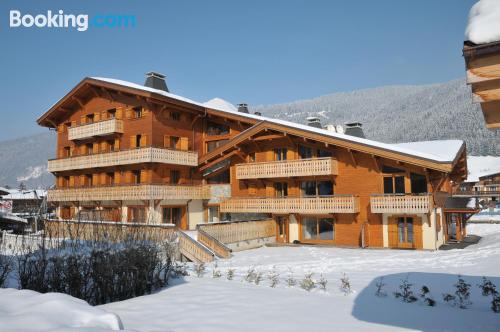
(452, 220)
(405, 232)
(281, 229)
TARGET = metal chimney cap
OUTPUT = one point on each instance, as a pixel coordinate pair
(155, 74)
(156, 81)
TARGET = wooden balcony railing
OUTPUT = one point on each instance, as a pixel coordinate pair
(287, 168)
(126, 157)
(417, 203)
(128, 192)
(100, 128)
(304, 205)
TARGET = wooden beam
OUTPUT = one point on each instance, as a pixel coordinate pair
(78, 101)
(215, 161)
(351, 154)
(267, 137)
(376, 163)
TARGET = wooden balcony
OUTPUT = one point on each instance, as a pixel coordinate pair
(126, 157)
(128, 192)
(401, 203)
(100, 128)
(302, 205)
(287, 168)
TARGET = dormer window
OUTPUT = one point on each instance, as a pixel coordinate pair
(89, 118)
(111, 113)
(137, 112)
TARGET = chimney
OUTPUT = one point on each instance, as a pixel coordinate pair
(354, 129)
(243, 108)
(156, 81)
(314, 122)
(258, 113)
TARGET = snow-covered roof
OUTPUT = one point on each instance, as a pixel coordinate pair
(479, 166)
(437, 151)
(484, 22)
(16, 194)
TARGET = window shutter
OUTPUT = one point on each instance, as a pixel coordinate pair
(117, 177)
(117, 144)
(71, 181)
(119, 113)
(72, 151)
(95, 179)
(83, 149)
(132, 141)
(104, 115)
(145, 111)
(128, 177)
(184, 143)
(97, 117)
(144, 176)
(95, 148)
(166, 141)
(73, 123)
(144, 140)
(104, 146)
(83, 119)
(103, 178)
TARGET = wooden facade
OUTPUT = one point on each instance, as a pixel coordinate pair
(153, 157)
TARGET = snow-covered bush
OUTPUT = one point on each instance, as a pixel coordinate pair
(216, 273)
(274, 277)
(5, 268)
(495, 303)
(345, 284)
(199, 269)
(230, 274)
(462, 293)
(258, 277)
(405, 292)
(290, 279)
(179, 269)
(250, 275)
(426, 296)
(322, 282)
(488, 288)
(379, 285)
(307, 283)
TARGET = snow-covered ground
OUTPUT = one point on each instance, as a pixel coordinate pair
(486, 215)
(208, 304)
(25, 310)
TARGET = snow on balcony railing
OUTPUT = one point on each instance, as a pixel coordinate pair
(128, 192)
(126, 157)
(95, 129)
(287, 168)
(411, 203)
(305, 205)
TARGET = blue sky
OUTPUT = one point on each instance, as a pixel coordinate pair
(259, 52)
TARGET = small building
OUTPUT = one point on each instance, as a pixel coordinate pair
(22, 207)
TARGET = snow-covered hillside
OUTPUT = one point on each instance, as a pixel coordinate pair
(208, 304)
(478, 166)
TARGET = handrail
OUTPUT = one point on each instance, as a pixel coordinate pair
(194, 250)
(219, 248)
(237, 231)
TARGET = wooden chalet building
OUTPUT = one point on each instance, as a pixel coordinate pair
(133, 153)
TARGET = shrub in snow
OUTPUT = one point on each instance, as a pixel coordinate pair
(462, 293)
(216, 273)
(274, 277)
(307, 282)
(199, 269)
(290, 280)
(251, 274)
(345, 284)
(426, 296)
(179, 269)
(258, 277)
(487, 287)
(405, 291)
(495, 303)
(5, 268)
(379, 285)
(322, 282)
(230, 274)
(448, 298)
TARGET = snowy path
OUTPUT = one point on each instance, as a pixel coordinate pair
(207, 304)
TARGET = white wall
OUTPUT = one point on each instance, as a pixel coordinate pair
(195, 213)
(293, 229)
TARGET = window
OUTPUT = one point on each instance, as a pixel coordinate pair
(65, 181)
(212, 145)
(174, 141)
(405, 229)
(89, 118)
(172, 215)
(251, 157)
(175, 116)
(281, 189)
(305, 152)
(174, 177)
(280, 154)
(213, 214)
(136, 177)
(418, 183)
(89, 180)
(111, 145)
(110, 178)
(324, 153)
(220, 178)
(214, 129)
(316, 188)
(137, 112)
(137, 214)
(394, 184)
(138, 141)
(67, 152)
(319, 229)
(111, 113)
(89, 148)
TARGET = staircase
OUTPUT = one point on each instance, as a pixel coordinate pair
(200, 247)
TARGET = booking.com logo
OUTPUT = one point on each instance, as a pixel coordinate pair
(80, 22)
